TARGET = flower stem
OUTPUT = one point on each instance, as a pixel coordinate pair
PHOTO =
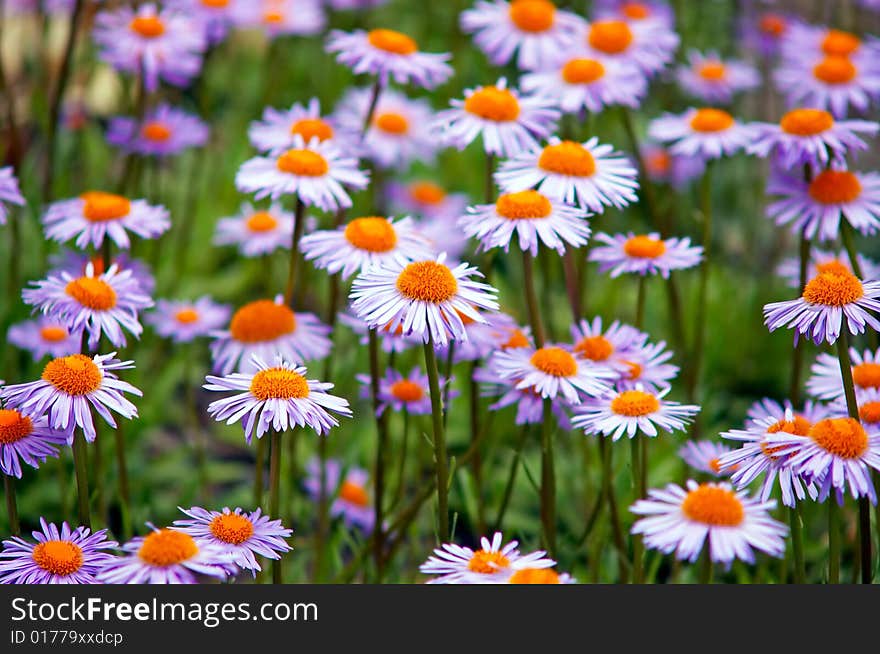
(381, 451)
(706, 566)
(640, 302)
(532, 299)
(637, 472)
(298, 226)
(572, 287)
(122, 471)
(846, 235)
(401, 466)
(797, 544)
(608, 492)
(440, 462)
(833, 540)
(477, 465)
(81, 469)
(548, 479)
(490, 181)
(11, 506)
(275, 492)
(511, 478)
(259, 463)
(794, 389)
(371, 108)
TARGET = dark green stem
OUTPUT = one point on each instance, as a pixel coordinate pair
(275, 493)
(440, 462)
(797, 544)
(511, 478)
(532, 299)
(11, 506)
(381, 453)
(548, 479)
(833, 540)
(616, 528)
(706, 566)
(81, 469)
(794, 389)
(298, 226)
(259, 464)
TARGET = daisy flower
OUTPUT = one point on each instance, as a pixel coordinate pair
(764, 32)
(829, 299)
(649, 12)
(349, 495)
(535, 31)
(243, 535)
(426, 199)
(628, 412)
(389, 55)
(76, 263)
(276, 397)
(163, 131)
(267, 328)
(278, 129)
(70, 387)
(533, 217)
(216, 16)
(499, 332)
(314, 172)
(825, 261)
(45, 335)
(712, 79)
(101, 304)
(400, 393)
(644, 254)
(666, 167)
(152, 42)
(681, 520)
(9, 192)
(184, 321)
(284, 17)
(529, 404)
(59, 556)
(508, 121)
(540, 576)
(588, 174)
(365, 243)
(27, 439)
(427, 298)
(613, 347)
(706, 132)
(869, 408)
(96, 215)
(836, 83)
(166, 556)
(646, 365)
(804, 41)
(493, 563)
(647, 45)
(826, 382)
(256, 232)
(704, 456)
(810, 136)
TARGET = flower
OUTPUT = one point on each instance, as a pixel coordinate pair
(826, 382)
(364, 243)
(647, 12)
(664, 166)
(712, 79)
(588, 174)
(70, 387)
(184, 321)
(426, 298)
(426, 199)
(644, 254)
(410, 393)
(314, 172)
(268, 328)
(533, 30)
(704, 456)
(349, 495)
(492, 563)
(681, 520)
(283, 17)
(529, 404)
(645, 365)
(276, 397)
(96, 215)
(833, 82)
(631, 411)
(508, 121)
(532, 216)
(243, 535)
(166, 556)
(277, 131)
(823, 260)
(45, 335)
(868, 401)
(9, 192)
(766, 31)
(804, 42)
(76, 264)
(100, 304)
(500, 331)
(648, 45)
(216, 16)
(257, 232)
(60, 556)
(541, 576)
(27, 439)
(614, 348)
(706, 132)
(388, 55)
(163, 131)
(828, 299)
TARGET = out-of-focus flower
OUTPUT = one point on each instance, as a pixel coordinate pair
(163, 131)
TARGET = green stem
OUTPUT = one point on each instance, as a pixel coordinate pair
(477, 465)
(11, 506)
(640, 302)
(401, 466)
(608, 485)
(447, 387)
(846, 235)
(532, 299)
(572, 287)
(511, 478)
(833, 540)
(259, 464)
(706, 566)
(371, 108)
(275, 492)
(490, 181)
(381, 452)
(797, 544)
(794, 389)
(323, 518)
(548, 479)
(637, 472)
(81, 469)
(440, 461)
(298, 226)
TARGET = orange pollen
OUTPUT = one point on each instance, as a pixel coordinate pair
(594, 348)
(517, 340)
(273, 16)
(232, 528)
(92, 292)
(492, 103)
(487, 563)
(371, 233)
(835, 187)
(772, 24)
(799, 426)
(523, 205)
(149, 27)
(75, 374)
(842, 437)
(869, 412)
(659, 162)
(392, 123)
(261, 221)
(59, 557)
(392, 41)
(838, 43)
(304, 163)
(167, 547)
(427, 281)
(187, 316)
(635, 10)
(712, 71)
(835, 70)
(644, 247)
(533, 15)
(407, 391)
(715, 466)
(711, 120)
(53, 334)
(867, 375)
(554, 361)
(535, 576)
(279, 384)
(353, 493)
(13, 426)
(713, 505)
(567, 158)
(832, 290)
(260, 321)
(635, 403)
(215, 4)
(156, 131)
(101, 207)
(583, 71)
(310, 128)
(427, 193)
(610, 36)
(806, 122)
(635, 370)
(834, 266)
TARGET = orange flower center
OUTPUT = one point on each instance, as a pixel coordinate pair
(833, 290)
(273, 16)
(772, 24)
(149, 27)
(713, 71)
(594, 348)
(156, 131)
(487, 563)
(715, 466)
(835, 187)
(567, 158)
(834, 266)
(523, 205)
(840, 44)
(644, 247)
(583, 71)
(279, 384)
(798, 426)
(304, 163)
(58, 557)
(492, 103)
(635, 370)
(53, 333)
(842, 437)
(371, 233)
(554, 361)
(869, 412)
(427, 193)
(711, 120)
(635, 10)
(167, 547)
(13, 426)
(215, 4)
(427, 281)
(392, 123)
(532, 15)
(535, 576)
(101, 207)
(659, 162)
(354, 493)
(610, 36)
(187, 316)
(309, 128)
(714, 506)
(867, 375)
(806, 122)
(835, 70)
(76, 374)
(260, 321)
(407, 391)
(392, 41)
(517, 340)
(232, 528)
(92, 292)
(635, 403)
(261, 221)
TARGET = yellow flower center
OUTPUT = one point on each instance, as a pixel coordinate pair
(567, 158)
(867, 375)
(554, 361)
(594, 348)
(610, 36)
(260, 321)
(310, 128)
(58, 557)
(772, 24)
(492, 103)
(156, 131)
(167, 547)
(635, 403)
(92, 292)
(371, 233)
(487, 563)
(261, 221)
(523, 205)
(842, 437)
(53, 333)
(232, 528)
(75, 374)
(187, 316)
(840, 44)
(635, 10)
(427, 193)
(582, 71)
(353, 493)
(714, 506)
(304, 163)
(532, 15)
(835, 187)
(869, 412)
(644, 247)
(427, 281)
(392, 41)
(712, 71)
(835, 70)
(711, 120)
(833, 290)
(13, 426)
(535, 576)
(149, 27)
(101, 207)
(279, 384)
(517, 340)
(806, 122)
(407, 391)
